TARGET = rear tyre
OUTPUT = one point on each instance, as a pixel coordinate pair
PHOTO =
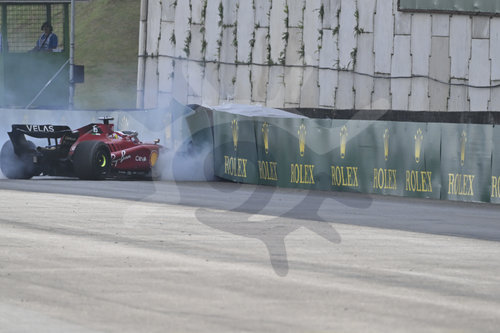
(91, 160)
(15, 166)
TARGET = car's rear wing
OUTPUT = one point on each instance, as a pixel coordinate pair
(21, 145)
(42, 131)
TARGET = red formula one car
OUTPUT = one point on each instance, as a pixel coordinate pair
(95, 151)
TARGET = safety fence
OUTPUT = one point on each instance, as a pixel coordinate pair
(23, 73)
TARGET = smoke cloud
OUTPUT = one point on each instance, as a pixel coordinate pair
(181, 160)
(187, 164)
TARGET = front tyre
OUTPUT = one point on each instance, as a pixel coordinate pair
(15, 166)
(92, 160)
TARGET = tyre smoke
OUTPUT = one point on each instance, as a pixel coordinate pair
(187, 163)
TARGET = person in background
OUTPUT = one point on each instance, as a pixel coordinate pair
(48, 40)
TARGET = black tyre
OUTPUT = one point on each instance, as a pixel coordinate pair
(15, 166)
(91, 160)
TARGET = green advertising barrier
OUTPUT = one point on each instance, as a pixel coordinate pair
(381, 166)
(350, 162)
(419, 149)
(495, 167)
(406, 160)
(235, 150)
(285, 150)
(466, 151)
(354, 156)
(380, 157)
(296, 152)
(266, 133)
(414, 159)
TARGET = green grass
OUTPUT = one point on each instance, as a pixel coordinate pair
(106, 42)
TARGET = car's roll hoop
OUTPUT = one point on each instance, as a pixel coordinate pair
(106, 119)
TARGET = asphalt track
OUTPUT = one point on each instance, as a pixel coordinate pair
(133, 256)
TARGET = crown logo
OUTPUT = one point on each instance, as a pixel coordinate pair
(419, 139)
(265, 134)
(463, 141)
(234, 126)
(343, 141)
(386, 144)
(302, 139)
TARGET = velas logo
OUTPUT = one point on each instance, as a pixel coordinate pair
(40, 128)
(386, 144)
(234, 127)
(302, 139)
(343, 141)
(419, 139)
(463, 142)
(265, 134)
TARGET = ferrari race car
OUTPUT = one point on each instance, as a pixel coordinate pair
(95, 151)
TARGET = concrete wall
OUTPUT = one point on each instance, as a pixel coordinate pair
(344, 54)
